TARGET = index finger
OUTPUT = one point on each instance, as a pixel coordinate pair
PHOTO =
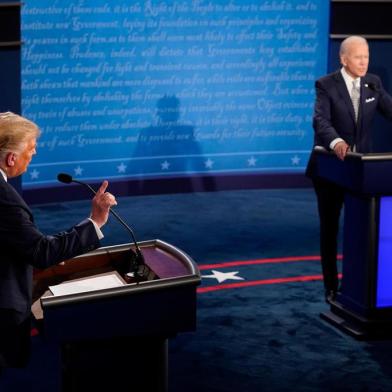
(102, 188)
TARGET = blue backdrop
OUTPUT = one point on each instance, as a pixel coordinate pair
(165, 88)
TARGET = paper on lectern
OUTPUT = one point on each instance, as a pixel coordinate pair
(92, 283)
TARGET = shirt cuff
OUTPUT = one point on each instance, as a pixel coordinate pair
(335, 142)
(97, 229)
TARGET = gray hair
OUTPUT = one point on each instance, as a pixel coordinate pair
(350, 40)
(15, 132)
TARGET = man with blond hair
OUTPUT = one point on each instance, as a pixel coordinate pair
(346, 103)
(23, 246)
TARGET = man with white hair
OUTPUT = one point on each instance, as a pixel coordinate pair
(23, 246)
(346, 103)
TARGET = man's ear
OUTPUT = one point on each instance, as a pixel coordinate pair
(10, 159)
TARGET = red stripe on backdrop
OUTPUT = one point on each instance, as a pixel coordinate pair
(226, 286)
(261, 261)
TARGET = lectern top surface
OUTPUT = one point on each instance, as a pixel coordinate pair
(377, 156)
(374, 156)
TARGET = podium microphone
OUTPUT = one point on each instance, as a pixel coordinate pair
(138, 269)
(373, 87)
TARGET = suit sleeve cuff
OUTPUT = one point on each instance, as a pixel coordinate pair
(97, 229)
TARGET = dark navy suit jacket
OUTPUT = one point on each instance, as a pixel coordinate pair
(23, 247)
(334, 113)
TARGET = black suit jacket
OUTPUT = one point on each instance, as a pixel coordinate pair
(23, 247)
(334, 113)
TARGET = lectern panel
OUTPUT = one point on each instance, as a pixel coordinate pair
(363, 307)
(361, 173)
(93, 322)
(384, 272)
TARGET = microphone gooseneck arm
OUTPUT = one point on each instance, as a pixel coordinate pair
(114, 213)
(67, 179)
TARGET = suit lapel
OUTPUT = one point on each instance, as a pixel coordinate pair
(366, 93)
(343, 92)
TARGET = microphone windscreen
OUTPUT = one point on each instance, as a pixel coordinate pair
(64, 177)
(373, 87)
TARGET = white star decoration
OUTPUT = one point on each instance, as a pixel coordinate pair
(121, 168)
(295, 160)
(222, 276)
(252, 161)
(34, 174)
(165, 165)
(78, 171)
(208, 163)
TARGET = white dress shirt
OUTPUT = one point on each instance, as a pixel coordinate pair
(3, 174)
(348, 79)
(349, 82)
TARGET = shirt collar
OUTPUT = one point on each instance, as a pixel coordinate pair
(348, 79)
(3, 174)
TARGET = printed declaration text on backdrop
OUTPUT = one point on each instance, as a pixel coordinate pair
(147, 89)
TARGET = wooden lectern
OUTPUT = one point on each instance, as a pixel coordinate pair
(363, 308)
(115, 338)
